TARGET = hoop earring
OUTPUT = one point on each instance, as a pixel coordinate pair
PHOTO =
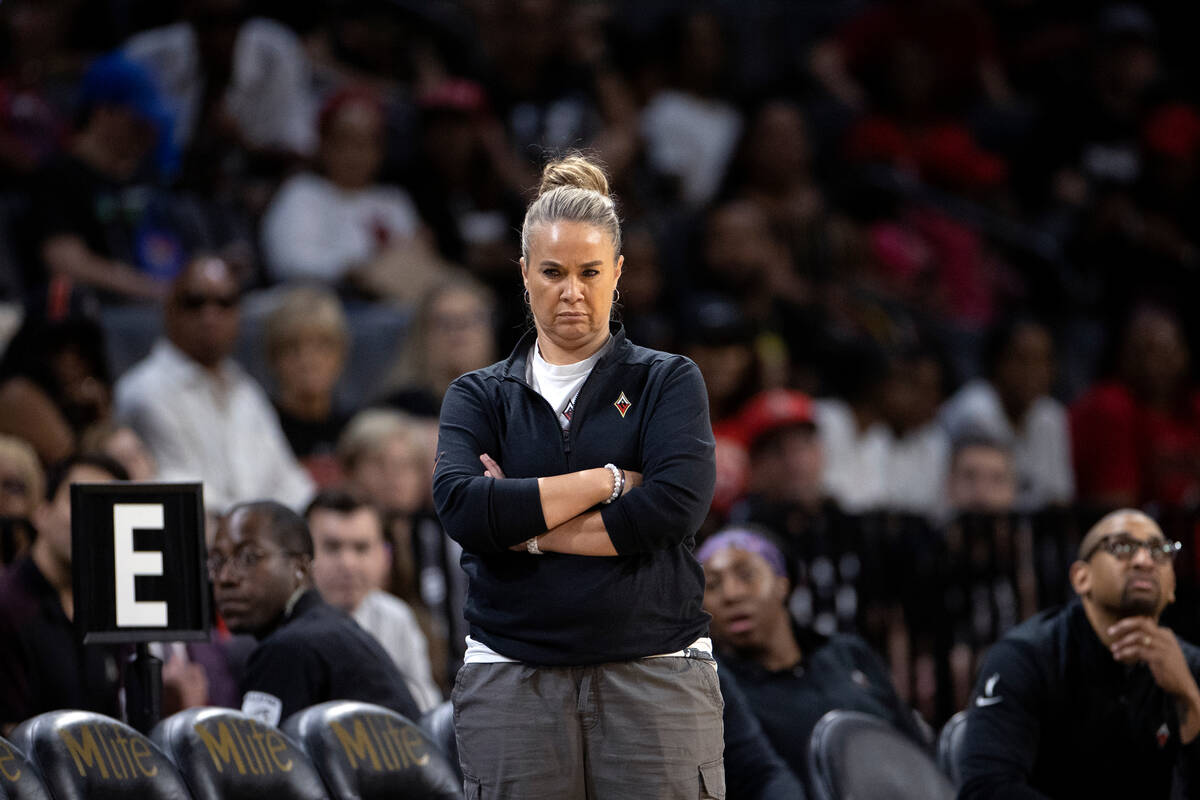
(525, 297)
(616, 295)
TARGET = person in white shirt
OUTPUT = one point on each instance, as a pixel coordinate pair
(690, 130)
(1013, 406)
(883, 450)
(336, 224)
(920, 450)
(348, 568)
(202, 416)
(255, 67)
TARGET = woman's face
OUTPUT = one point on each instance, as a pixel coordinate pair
(393, 476)
(570, 275)
(460, 332)
(309, 364)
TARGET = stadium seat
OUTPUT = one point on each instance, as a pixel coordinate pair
(855, 756)
(438, 722)
(367, 752)
(949, 746)
(86, 756)
(224, 754)
(18, 779)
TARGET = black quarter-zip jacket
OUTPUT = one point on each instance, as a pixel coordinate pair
(640, 409)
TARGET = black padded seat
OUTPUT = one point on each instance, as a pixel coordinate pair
(438, 722)
(367, 752)
(949, 746)
(855, 756)
(224, 754)
(82, 755)
(18, 778)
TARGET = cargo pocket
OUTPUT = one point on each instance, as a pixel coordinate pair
(712, 780)
(712, 684)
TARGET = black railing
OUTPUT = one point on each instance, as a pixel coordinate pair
(932, 599)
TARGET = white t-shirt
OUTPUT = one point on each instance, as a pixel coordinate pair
(560, 383)
(315, 231)
(692, 138)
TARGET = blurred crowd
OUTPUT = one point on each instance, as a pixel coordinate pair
(931, 256)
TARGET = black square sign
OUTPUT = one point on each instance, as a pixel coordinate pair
(139, 562)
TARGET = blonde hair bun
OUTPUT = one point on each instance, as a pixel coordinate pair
(574, 171)
(574, 188)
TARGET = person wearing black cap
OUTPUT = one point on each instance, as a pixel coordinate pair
(790, 676)
(1095, 699)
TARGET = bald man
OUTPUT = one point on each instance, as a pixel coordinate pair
(1095, 699)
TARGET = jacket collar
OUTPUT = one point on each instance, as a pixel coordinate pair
(516, 364)
(304, 600)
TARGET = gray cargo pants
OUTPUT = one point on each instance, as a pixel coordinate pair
(648, 729)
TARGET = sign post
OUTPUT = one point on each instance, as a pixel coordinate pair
(139, 553)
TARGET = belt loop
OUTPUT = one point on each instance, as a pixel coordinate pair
(585, 689)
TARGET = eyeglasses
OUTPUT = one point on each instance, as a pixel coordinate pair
(1122, 547)
(241, 562)
(194, 301)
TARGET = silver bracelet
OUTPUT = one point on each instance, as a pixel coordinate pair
(531, 546)
(618, 482)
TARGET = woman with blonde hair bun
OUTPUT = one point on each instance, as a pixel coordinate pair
(575, 475)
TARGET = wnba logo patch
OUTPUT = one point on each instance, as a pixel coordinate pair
(622, 404)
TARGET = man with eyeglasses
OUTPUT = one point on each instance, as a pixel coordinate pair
(1096, 699)
(260, 564)
(202, 416)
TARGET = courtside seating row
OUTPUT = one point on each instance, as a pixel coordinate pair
(339, 750)
(356, 750)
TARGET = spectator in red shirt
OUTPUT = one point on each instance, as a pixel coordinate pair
(1136, 437)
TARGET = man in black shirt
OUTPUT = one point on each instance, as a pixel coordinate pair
(1095, 699)
(43, 667)
(308, 651)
